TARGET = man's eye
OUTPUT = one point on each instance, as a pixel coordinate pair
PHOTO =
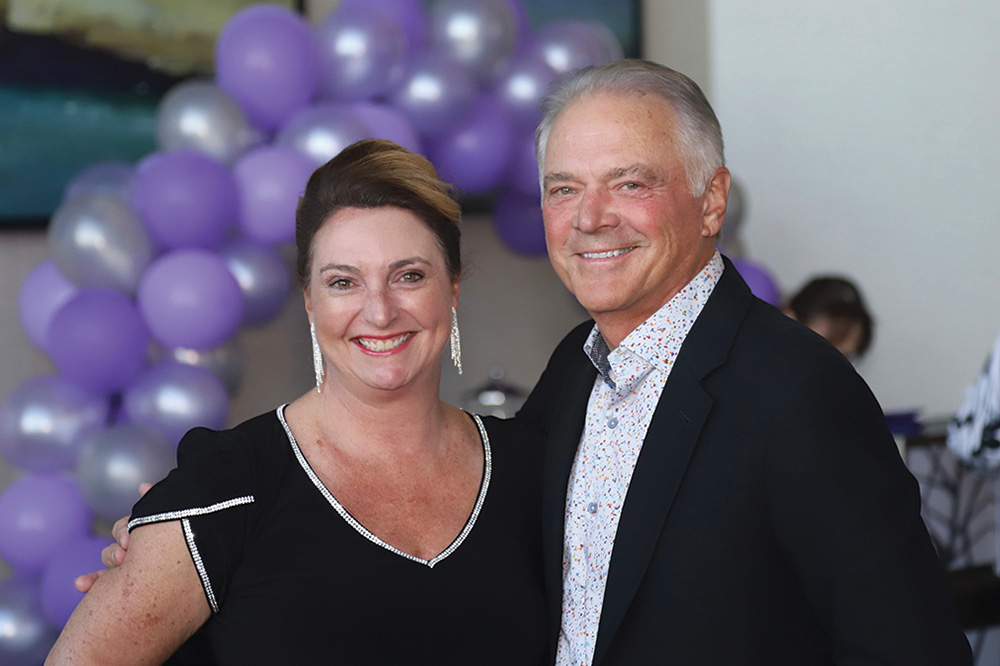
(562, 191)
(631, 186)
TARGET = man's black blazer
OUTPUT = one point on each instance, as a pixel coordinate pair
(770, 519)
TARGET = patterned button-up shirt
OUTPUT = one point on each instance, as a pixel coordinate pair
(619, 412)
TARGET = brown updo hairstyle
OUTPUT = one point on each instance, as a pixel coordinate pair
(375, 173)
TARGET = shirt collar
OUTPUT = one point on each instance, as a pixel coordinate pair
(658, 339)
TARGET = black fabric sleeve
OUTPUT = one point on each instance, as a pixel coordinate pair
(212, 492)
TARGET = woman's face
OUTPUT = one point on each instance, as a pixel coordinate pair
(380, 298)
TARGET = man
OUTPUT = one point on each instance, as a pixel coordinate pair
(724, 491)
(721, 485)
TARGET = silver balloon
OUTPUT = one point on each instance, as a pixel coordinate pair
(478, 34)
(569, 44)
(735, 208)
(201, 116)
(361, 53)
(115, 179)
(436, 93)
(44, 421)
(521, 87)
(99, 241)
(174, 397)
(115, 461)
(25, 634)
(264, 276)
(226, 361)
(321, 131)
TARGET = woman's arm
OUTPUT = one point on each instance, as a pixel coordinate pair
(141, 611)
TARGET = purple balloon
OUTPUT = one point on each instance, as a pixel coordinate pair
(266, 58)
(518, 221)
(409, 15)
(388, 122)
(76, 557)
(43, 292)
(190, 299)
(270, 180)
(38, 514)
(475, 155)
(172, 398)
(522, 172)
(98, 340)
(263, 275)
(187, 199)
(521, 87)
(436, 93)
(479, 35)
(112, 178)
(361, 53)
(761, 284)
(321, 131)
(570, 44)
(44, 420)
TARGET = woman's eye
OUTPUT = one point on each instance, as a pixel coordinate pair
(412, 276)
(340, 283)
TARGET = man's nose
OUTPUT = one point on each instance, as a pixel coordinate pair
(595, 211)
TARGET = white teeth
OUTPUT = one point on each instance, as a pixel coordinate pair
(605, 255)
(374, 345)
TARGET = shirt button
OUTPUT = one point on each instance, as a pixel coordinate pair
(592, 507)
(612, 423)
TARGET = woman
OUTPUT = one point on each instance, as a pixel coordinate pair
(415, 527)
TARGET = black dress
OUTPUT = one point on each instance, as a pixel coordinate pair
(292, 578)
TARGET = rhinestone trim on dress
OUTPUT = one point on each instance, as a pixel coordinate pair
(363, 531)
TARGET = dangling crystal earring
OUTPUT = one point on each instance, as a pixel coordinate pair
(456, 341)
(317, 358)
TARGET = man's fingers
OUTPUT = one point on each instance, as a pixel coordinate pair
(144, 488)
(112, 555)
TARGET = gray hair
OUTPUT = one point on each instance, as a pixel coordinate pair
(699, 136)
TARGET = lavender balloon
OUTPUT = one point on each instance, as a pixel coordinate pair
(263, 275)
(199, 115)
(266, 58)
(26, 635)
(361, 53)
(518, 221)
(115, 461)
(112, 178)
(187, 199)
(388, 122)
(44, 421)
(226, 361)
(99, 241)
(522, 171)
(760, 281)
(270, 180)
(38, 514)
(436, 93)
(321, 131)
(475, 155)
(172, 398)
(43, 292)
(521, 87)
(477, 34)
(98, 340)
(409, 16)
(189, 298)
(59, 594)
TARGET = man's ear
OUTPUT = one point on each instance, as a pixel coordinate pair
(715, 200)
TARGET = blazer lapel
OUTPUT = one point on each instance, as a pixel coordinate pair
(670, 442)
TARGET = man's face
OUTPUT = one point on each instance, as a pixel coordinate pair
(623, 231)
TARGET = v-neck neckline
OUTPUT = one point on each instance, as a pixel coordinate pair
(364, 531)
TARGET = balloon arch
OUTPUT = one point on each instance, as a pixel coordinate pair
(154, 267)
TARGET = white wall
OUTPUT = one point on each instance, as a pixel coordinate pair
(867, 138)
